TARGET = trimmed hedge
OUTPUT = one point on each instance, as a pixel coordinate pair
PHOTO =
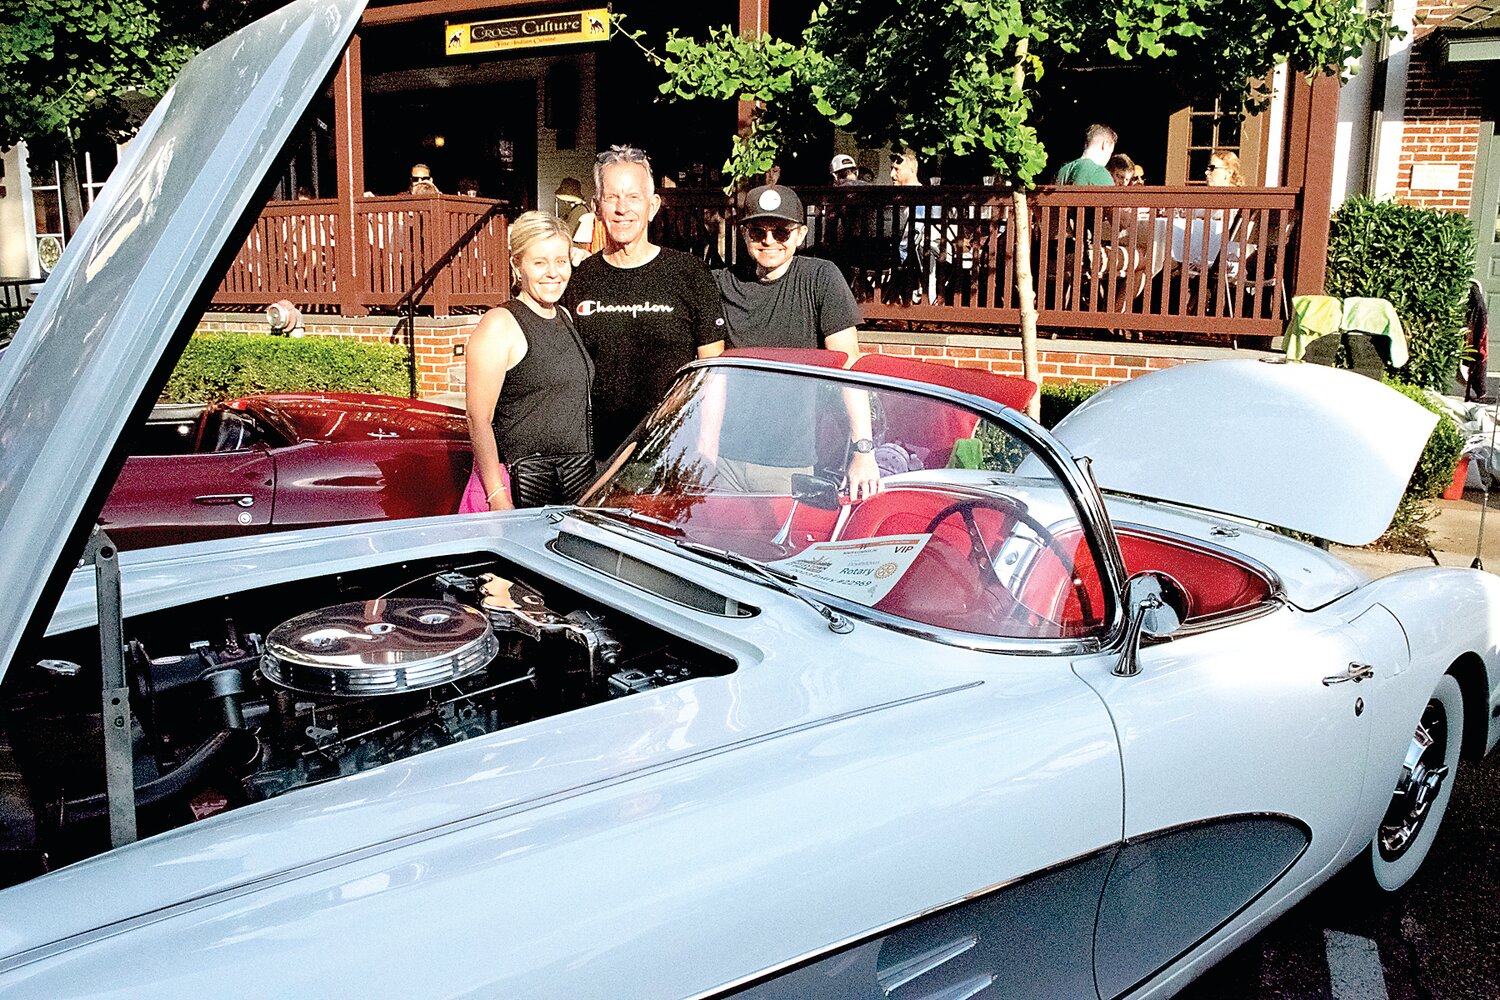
(1421, 260)
(1060, 399)
(218, 365)
(1433, 474)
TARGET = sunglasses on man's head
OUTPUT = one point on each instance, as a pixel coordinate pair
(780, 232)
(623, 154)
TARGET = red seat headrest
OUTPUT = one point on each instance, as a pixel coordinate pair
(1006, 390)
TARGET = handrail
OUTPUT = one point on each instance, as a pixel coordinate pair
(406, 306)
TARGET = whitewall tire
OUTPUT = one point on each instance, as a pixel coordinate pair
(1423, 790)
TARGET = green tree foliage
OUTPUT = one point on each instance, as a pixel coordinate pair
(958, 76)
(1429, 288)
(72, 70)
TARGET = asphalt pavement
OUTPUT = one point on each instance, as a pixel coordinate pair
(1439, 938)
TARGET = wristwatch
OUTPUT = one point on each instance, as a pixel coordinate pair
(864, 446)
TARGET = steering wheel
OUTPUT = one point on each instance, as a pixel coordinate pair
(983, 559)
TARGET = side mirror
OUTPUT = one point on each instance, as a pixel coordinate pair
(1153, 600)
(815, 491)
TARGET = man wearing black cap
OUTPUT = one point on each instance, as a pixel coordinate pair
(778, 299)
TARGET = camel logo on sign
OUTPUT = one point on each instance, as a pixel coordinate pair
(557, 28)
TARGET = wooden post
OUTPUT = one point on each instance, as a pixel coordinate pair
(349, 153)
(1322, 114)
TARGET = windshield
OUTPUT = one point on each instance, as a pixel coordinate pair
(965, 534)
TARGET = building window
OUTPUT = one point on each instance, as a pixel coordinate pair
(1210, 127)
(94, 166)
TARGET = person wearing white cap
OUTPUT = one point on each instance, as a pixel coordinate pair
(845, 171)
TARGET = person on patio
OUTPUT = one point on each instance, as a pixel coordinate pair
(527, 382)
(845, 171)
(421, 180)
(643, 310)
(1090, 167)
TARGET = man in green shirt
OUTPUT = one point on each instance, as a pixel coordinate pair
(1089, 169)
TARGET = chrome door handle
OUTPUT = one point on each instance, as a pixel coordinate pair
(1356, 673)
(225, 499)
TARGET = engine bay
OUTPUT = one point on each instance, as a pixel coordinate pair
(247, 697)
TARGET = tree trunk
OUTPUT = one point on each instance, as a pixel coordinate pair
(1025, 281)
(1026, 295)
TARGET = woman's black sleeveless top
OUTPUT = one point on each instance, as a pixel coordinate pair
(543, 407)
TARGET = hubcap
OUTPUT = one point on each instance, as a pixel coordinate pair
(1422, 776)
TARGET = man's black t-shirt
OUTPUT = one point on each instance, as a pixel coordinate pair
(640, 324)
(802, 308)
(809, 303)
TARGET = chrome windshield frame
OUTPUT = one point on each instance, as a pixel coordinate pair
(1077, 485)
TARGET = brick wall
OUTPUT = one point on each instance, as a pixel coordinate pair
(1059, 360)
(440, 370)
(1444, 107)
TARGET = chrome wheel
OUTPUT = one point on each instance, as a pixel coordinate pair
(1422, 790)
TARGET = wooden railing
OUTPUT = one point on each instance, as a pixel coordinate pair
(1211, 261)
(293, 253)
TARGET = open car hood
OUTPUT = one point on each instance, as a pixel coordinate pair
(113, 315)
(1305, 447)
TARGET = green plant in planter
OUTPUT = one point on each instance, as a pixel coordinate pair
(1420, 260)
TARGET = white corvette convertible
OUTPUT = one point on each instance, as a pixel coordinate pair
(1048, 716)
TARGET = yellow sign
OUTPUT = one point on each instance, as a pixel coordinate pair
(562, 28)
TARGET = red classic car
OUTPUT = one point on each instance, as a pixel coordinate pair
(274, 462)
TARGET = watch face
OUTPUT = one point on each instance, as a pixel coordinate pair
(864, 445)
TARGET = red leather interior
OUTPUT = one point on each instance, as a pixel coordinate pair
(1214, 584)
(1003, 389)
(743, 522)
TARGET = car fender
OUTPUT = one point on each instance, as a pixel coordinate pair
(1447, 616)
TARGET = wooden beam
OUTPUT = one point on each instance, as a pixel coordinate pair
(349, 160)
(421, 10)
(1317, 186)
(1294, 146)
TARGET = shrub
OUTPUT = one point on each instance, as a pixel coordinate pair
(9, 321)
(1060, 399)
(1433, 474)
(217, 365)
(1419, 259)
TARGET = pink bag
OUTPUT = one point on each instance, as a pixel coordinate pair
(473, 501)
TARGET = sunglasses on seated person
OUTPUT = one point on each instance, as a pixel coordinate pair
(759, 232)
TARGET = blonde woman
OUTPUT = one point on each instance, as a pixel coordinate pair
(1224, 169)
(528, 381)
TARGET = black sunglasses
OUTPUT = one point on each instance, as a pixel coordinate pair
(780, 232)
(622, 154)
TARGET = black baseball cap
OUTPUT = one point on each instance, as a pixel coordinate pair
(774, 201)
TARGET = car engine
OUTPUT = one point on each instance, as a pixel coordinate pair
(249, 701)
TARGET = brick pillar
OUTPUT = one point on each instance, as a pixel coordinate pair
(1444, 107)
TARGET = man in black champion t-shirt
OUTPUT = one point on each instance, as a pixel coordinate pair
(643, 310)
